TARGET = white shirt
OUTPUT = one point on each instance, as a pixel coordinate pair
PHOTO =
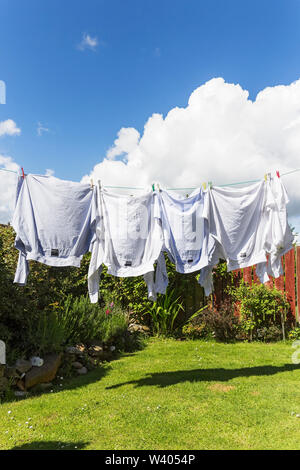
(128, 238)
(52, 221)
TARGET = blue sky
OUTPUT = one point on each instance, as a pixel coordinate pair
(150, 57)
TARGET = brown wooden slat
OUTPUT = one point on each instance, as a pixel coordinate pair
(289, 259)
(298, 279)
(279, 281)
(255, 276)
(247, 273)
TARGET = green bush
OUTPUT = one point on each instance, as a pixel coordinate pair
(48, 289)
(223, 322)
(294, 334)
(260, 309)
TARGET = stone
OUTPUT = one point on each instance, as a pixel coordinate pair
(20, 393)
(77, 350)
(80, 347)
(45, 373)
(23, 366)
(4, 383)
(37, 361)
(134, 327)
(82, 371)
(77, 365)
(20, 384)
(70, 350)
(95, 350)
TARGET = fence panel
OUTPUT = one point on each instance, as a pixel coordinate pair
(289, 261)
(289, 282)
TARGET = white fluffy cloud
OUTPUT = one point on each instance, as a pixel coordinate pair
(88, 42)
(8, 181)
(9, 127)
(220, 136)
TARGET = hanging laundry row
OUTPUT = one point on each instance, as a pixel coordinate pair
(57, 222)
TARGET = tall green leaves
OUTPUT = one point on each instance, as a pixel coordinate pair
(164, 313)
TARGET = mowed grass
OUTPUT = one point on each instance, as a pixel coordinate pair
(171, 395)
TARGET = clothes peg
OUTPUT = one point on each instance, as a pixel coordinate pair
(266, 176)
(158, 187)
(204, 186)
(92, 183)
(278, 174)
(210, 184)
(153, 188)
(23, 174)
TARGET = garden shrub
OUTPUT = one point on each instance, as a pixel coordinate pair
(197, 329)
(294, 334)
(262, 310)
(223, 322)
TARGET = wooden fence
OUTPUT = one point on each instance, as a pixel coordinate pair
(289, 282)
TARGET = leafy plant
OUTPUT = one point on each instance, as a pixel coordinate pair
(260, 307)
(294, 334)
(164, 313)
(223, 322)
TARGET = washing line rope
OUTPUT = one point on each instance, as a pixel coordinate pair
(179, 189)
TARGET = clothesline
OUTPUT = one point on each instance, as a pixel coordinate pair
(178, 189)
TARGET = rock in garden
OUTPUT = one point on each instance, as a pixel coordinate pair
(4, 382)
(80, 347)
(77, 350)
(70, 350)
(45, 373)
(77, 365)
(21, 385)
(95, 350)
(20, 393)
(23, 366)
(82, 371)
(37, 361)
(134, 327)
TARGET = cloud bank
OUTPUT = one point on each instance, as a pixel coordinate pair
(220, 136)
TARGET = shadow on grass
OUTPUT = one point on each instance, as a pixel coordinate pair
(165, 379)
(51, 445)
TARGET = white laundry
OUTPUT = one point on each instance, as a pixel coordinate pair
(185, 235)
(247, 224)
(52, 221)
(278, 234)
(128, 238)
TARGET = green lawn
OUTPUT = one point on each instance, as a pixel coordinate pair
(171, 395)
